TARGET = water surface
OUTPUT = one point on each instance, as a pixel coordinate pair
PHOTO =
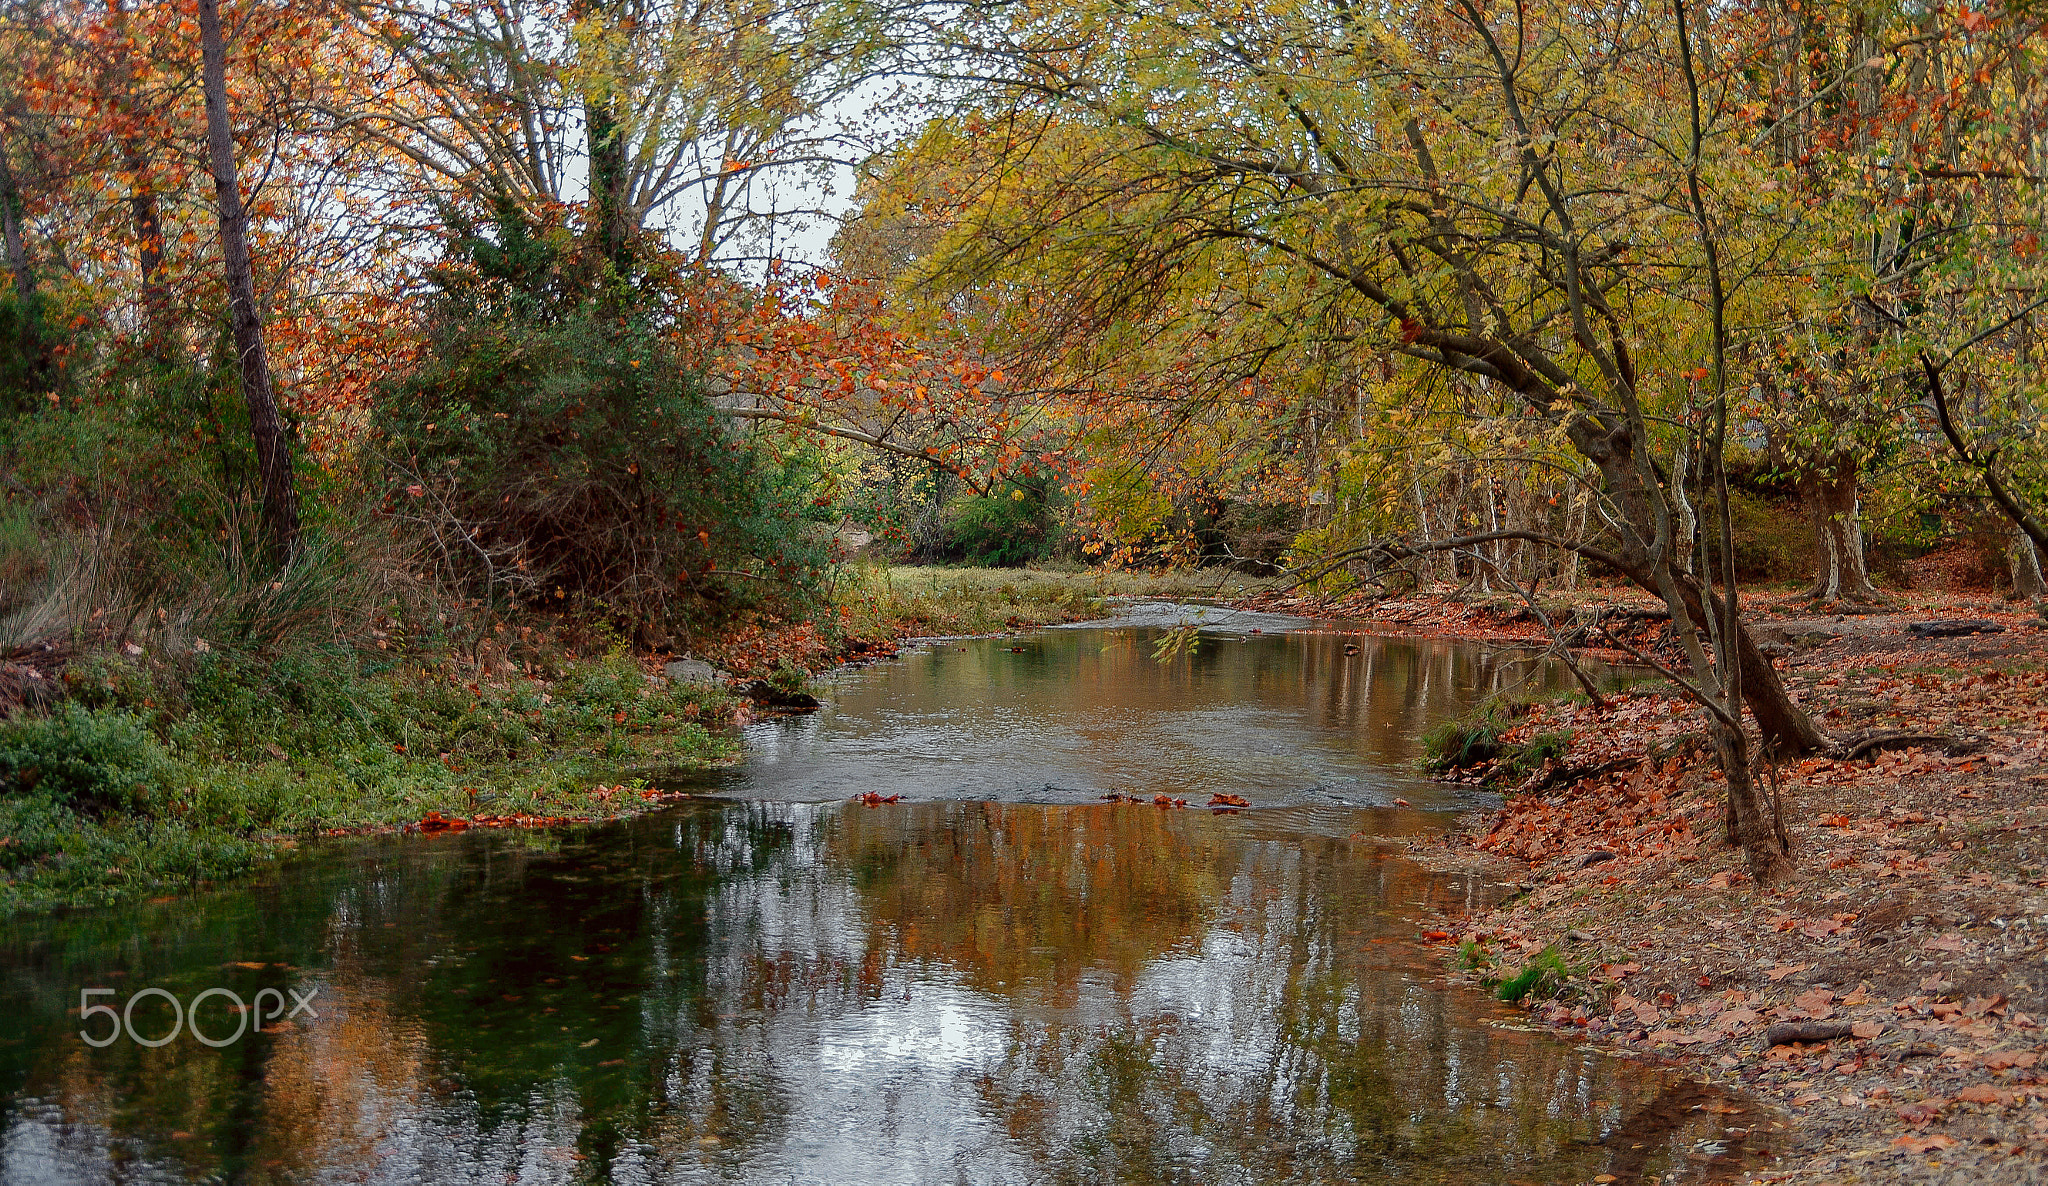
(994, 983)
(1313, 715)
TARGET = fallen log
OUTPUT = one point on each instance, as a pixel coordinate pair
(1952, 627)
(1785, 1033)
(1954, 745)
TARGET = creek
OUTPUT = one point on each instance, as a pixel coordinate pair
(1001, 978)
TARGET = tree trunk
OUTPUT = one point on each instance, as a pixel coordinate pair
(147, 214)
(273, 443)
(39, 372)
(610, 178)
(10, 231)
(1786, 728)
(1753, 823)
(123, 83)
(1841, 570)
(2027, 582)
(609, 216)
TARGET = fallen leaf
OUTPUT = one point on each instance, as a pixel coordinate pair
(1678, 1038)
(1817, 1003)
(1784, 970)
(1866, 1029)
(1920, 1113)
(1912, 1144)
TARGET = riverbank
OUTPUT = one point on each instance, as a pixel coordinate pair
(132, 771)
(157, 774)
(1914, 930)
(875, 608)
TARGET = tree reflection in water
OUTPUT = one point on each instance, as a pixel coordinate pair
(1070, 714)
(777, 992)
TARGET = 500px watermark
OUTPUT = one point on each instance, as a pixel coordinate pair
(183, 1018)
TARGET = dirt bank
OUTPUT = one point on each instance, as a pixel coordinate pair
(1916, 926)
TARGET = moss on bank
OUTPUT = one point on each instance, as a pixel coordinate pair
(155, 776)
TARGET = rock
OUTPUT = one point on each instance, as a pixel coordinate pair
(690, 671)
(1952, 627)
(768, 695)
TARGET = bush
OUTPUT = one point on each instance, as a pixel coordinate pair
(557, 449)
(1007, 529)
(1773, 539)
(93, 762)
(35, 339)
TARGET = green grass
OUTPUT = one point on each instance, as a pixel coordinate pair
(153, 779)
(1545, 971)
(879, 601)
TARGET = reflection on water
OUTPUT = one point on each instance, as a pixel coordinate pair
(961, 989)
(1064, 716)
(825, 993)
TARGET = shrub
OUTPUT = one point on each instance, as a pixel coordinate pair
(1009, 528)
(557, 449)
(35, 337)
(95, 762)
(1773, 539)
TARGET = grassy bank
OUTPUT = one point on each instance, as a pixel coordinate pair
(147, 768)
(871, 608)
(881, 601)
(158, 773)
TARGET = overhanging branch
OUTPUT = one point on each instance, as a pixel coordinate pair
(977, 484)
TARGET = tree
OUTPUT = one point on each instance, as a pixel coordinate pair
(701, 120)
(1968, 170)
(1560, 212)
(266, 426)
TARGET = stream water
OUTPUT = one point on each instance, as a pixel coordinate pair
(1001, 979)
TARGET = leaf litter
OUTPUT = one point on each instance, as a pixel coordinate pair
(1914, 934)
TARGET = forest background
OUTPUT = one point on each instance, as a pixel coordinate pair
(377, 381)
